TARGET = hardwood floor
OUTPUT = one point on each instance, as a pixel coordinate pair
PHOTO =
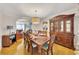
(60, 50)
(18, 49)
(10, 50)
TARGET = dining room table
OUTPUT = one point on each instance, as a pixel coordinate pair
(39, 40)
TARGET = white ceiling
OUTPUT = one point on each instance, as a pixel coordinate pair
(28, 9)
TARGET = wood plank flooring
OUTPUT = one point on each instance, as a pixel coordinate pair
(18, 49)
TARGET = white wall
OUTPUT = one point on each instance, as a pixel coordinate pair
(0, 38)
(6, 19)
(1, 17)
(76, 31)
(3, 30)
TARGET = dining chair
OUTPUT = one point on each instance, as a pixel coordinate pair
(32, 45)
(48, 47)
(28, 42)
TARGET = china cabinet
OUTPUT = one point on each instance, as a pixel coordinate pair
(63, 27)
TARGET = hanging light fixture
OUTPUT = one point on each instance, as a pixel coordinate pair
(35, 20)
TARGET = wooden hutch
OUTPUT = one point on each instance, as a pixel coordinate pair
(63, 27)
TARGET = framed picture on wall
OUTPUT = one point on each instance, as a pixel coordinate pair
(9, 27)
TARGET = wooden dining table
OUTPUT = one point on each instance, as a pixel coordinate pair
(39, 41)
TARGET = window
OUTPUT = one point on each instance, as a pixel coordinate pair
(20, 26)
